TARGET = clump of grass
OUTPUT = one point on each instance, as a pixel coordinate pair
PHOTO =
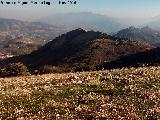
(68, 93)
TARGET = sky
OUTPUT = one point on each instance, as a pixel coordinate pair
(112, 8)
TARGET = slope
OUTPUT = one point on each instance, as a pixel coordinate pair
(80, 49)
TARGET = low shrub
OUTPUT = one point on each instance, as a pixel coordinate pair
(47, 69)
(14, 69)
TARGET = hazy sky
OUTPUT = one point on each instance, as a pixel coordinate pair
(114, 8)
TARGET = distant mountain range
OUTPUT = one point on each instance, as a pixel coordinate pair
(86, 20)
(80, 49)
(63, 22)
(36, 30)
(145, 34)
(103, 23)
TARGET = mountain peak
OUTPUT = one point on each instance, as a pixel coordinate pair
(74, 33)
(146, 34)
(79, 30)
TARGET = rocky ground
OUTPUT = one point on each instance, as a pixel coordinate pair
(120, 94)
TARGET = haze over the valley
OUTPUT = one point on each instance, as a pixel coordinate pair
(122, 10)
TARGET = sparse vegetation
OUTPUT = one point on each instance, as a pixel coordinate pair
(113, 94)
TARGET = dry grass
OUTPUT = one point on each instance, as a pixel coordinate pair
(132, 94)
